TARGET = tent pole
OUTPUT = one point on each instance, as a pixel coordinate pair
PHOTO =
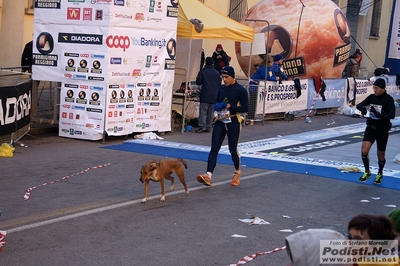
(186, 88)
(248, 71)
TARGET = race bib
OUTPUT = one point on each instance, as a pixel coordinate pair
(224, 116)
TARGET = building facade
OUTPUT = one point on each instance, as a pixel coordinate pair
(369, 22)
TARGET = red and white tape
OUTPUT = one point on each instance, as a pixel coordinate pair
(253, 256)
(28, 191)
(2, 239)
(312, 105)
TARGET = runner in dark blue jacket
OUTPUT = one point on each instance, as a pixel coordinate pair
(232, 99)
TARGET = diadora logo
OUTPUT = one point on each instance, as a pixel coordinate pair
(80, 38)
(73, 13)
(122, 42)
(115, 60)
(119, 2)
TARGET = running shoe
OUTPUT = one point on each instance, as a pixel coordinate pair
(365, 176)
(204, 179)
(235, 178)
(378, 179)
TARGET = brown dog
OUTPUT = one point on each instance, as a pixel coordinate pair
(158, 170)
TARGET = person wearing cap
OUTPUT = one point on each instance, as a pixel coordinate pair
(277, 68)
(381, 110)
(259, 75)
(220, 57)
(210, 80)
(232, 99)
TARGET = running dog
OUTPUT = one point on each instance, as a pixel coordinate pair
(157, 171)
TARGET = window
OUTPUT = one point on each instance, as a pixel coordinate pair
(237, 9)
(29, 8)
(376, 18)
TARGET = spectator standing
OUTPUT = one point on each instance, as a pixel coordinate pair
(277, 68)
(382, 109)
(353, 67)
(220, 57)
(259, 75)
(210, 80)
(26, 58)
(357, 51)
(232, 99)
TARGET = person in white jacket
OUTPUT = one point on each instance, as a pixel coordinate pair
(304, 247)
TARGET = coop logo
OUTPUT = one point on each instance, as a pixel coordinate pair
(68, 76)
(116, 60)
(85, 87)
(73, 13)
(66, 106)
(122, 42)
(84, 55)
(80, 38)
(119, 3)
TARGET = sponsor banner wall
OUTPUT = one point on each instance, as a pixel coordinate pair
(392, 88)
(282, 97)
(334, 94)
(74, 12)
(15, 107)
(105, 52)
(394, 44)
(363, 89)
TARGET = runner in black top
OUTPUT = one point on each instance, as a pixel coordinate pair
(232, 99)
(382, 109)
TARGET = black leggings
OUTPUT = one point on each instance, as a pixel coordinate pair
(232, 130)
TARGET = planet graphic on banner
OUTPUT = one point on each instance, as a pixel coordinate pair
(313, 39)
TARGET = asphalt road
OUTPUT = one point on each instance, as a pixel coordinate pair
(81, 215)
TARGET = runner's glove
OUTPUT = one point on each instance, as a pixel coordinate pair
(363, 110)
(220, 106)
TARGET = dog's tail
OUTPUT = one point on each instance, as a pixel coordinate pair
(183, 162)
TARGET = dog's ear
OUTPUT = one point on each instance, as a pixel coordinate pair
(153, 165)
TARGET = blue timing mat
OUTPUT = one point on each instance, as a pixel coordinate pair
(176, 150)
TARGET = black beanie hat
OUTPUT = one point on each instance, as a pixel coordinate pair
(381, 83)
(229, 71)
(209, 61)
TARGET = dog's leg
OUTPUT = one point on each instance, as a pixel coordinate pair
(181, 174)
(162, 189)
(146, 191)
(171, 178)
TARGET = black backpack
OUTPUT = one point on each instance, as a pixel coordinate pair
(381, 71)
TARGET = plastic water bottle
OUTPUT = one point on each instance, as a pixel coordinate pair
(308, 120)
